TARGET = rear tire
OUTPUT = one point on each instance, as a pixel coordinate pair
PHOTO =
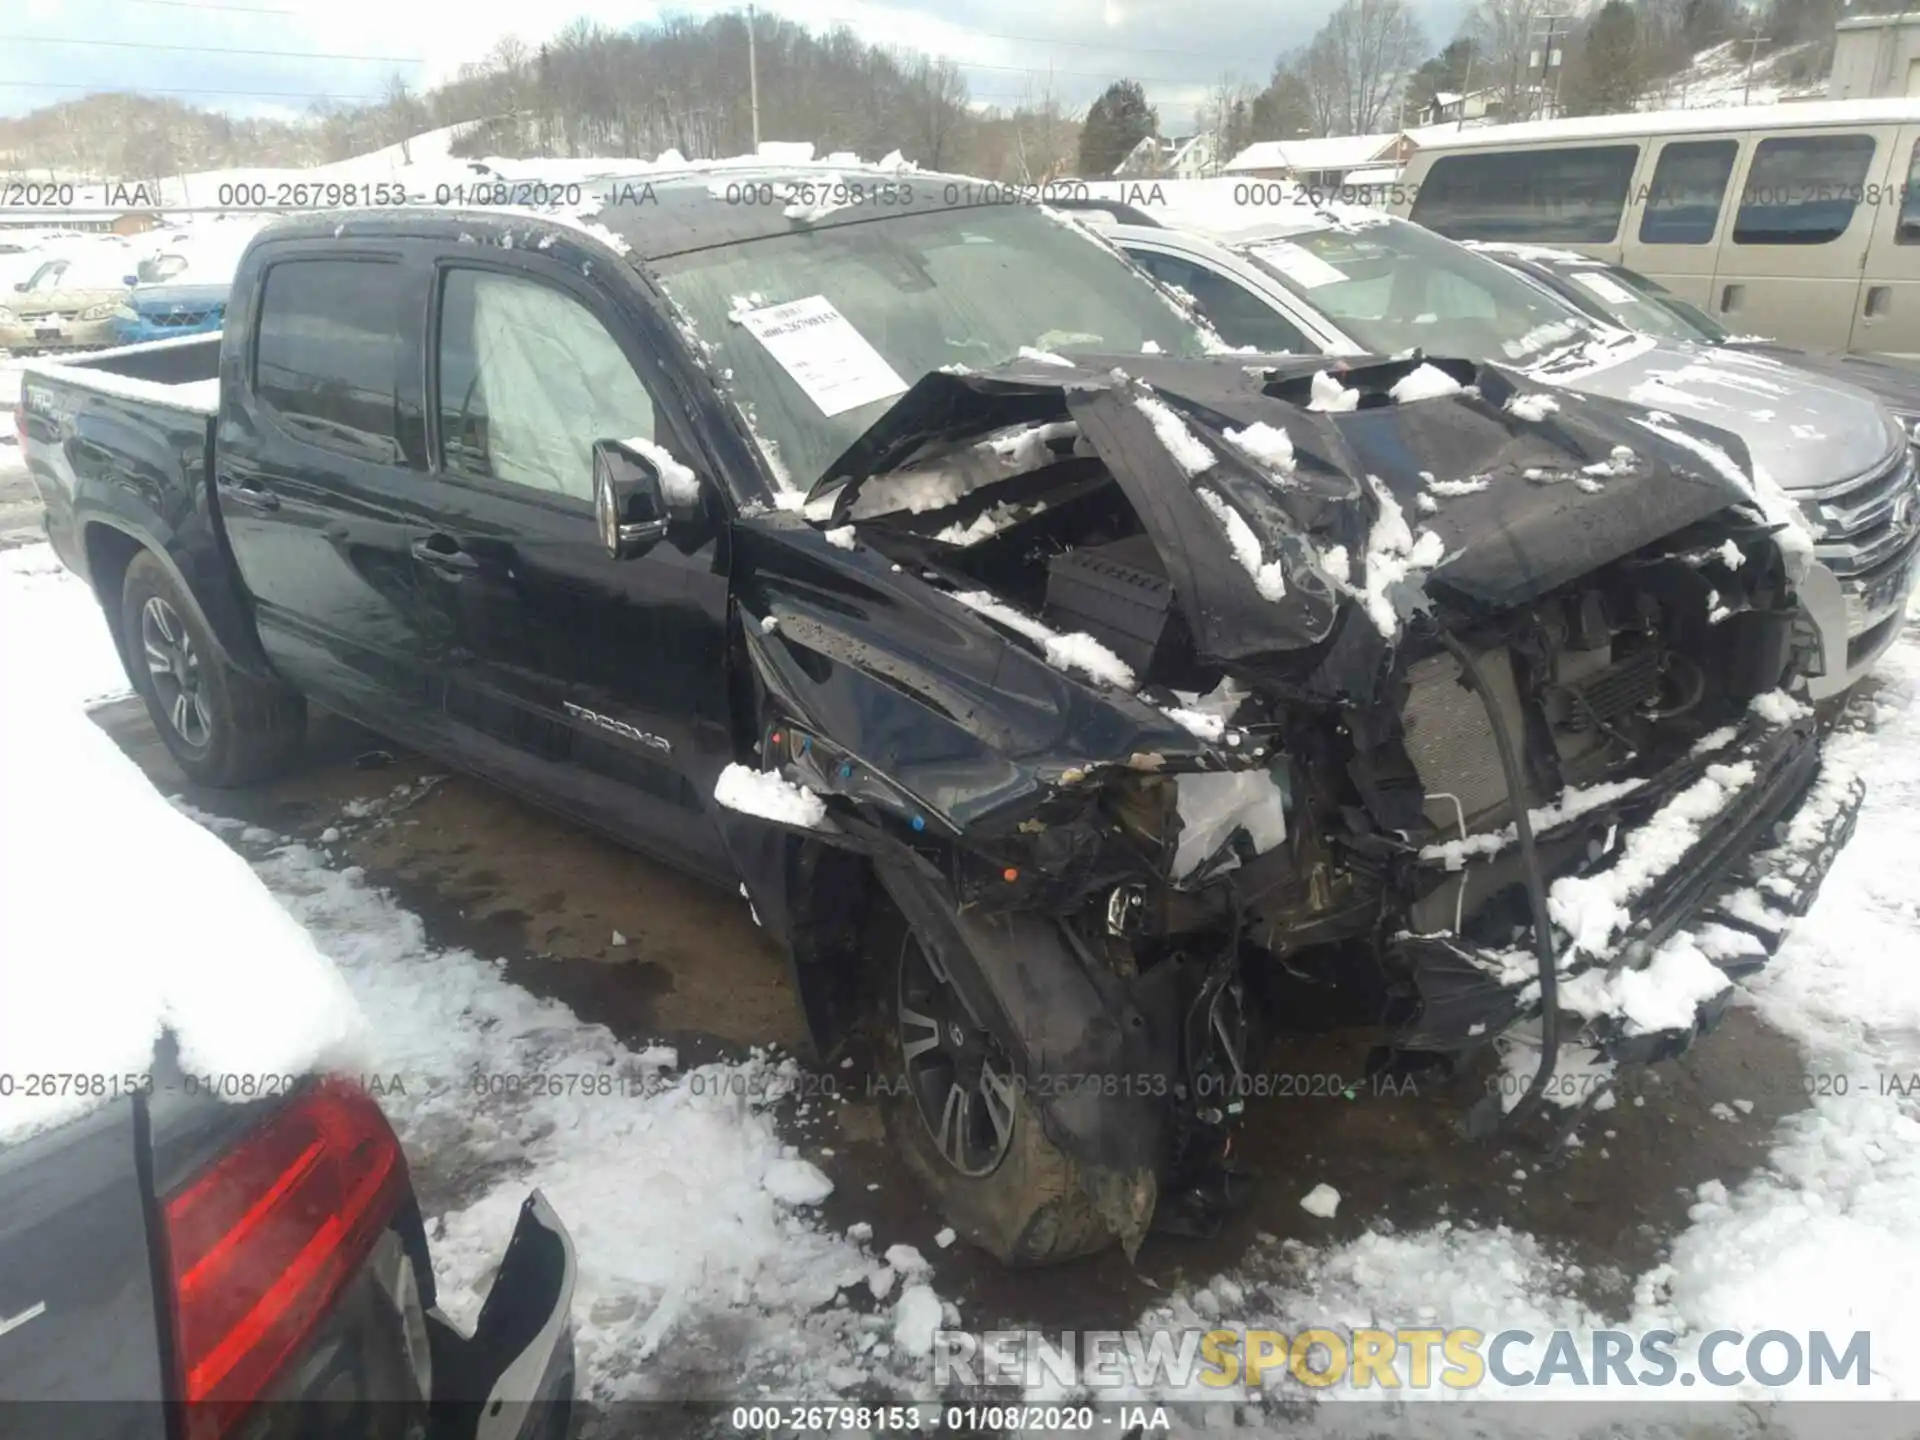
(1004, 1186)
(223, 727)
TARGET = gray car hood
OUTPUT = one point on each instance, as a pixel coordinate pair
(1808, 431)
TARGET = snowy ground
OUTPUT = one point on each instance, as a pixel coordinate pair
(706, 1268)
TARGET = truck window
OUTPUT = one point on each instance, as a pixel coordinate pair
(327, 358)
(528, 381)
(1241, 317)
(1802, 189)
(1689, 182)
(1573, 196)
(1907, 232)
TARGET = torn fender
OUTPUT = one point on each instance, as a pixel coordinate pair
(924, 694)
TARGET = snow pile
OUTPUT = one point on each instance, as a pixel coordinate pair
(1266, 445)
(1322, 1201)
(1454, 489)
(1554, 332)
(1043, 357)
(191, 943)
(769, 796)
(938, 483)
(1572, 804)
(1394, 555)
(1268, 577)
(678, 483)
(1076, 651)
(1664, 994)
(1325, 392)
(1189, 452)
(841, 537)
(1423, 382)
(984, 526)
(1776, 707)
(1531, 406)
(1593, 908)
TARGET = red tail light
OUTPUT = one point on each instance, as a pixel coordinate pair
(262, 1241)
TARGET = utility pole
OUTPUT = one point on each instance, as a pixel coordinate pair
(1547, 61)
(753, 80)
(1753, 42)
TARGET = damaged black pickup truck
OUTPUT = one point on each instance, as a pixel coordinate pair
(1065, 692)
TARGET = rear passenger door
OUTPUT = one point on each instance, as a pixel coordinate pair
(1792, 265)
(1674, 229)
(584, 681)
(1887, 318)
(322, 483)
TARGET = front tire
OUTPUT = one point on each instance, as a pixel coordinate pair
(955, 1109)
(223, 727)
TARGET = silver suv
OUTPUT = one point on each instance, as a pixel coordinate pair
(1341, 281)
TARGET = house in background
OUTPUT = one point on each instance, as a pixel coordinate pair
(1323, 162)
(1188, 157)
(1450, 107)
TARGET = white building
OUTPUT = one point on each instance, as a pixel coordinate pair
(1325, 161)
(1875, 56)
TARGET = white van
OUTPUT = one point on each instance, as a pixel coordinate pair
(1799, 221)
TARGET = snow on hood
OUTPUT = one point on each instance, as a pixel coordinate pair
(123, 918)
(1252, 560)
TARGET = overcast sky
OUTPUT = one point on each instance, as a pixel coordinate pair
(276, 56)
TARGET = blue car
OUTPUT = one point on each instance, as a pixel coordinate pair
(156, 312)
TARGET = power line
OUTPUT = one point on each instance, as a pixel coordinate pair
(158, 90)
(211, 49)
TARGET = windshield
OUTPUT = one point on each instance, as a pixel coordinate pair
(1633, 302)
(918, 292)
(1392, 286)
(83, 272)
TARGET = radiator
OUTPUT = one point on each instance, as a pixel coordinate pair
(1451, 744)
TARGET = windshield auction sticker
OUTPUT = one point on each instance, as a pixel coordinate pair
(827, 358)
(1300, 264)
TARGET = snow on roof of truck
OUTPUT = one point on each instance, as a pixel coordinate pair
(1642, 123)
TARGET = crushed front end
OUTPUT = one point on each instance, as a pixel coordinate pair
(1168, 691)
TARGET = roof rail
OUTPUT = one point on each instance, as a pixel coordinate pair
(1126, 214)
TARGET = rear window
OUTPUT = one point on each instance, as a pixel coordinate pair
(1689, 183)
(328, 354)
(1802, 189)
(1573, 196)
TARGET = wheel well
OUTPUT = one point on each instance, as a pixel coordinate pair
(832, 897)
(109, 553)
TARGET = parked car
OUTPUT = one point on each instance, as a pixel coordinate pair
(68, 303)
(1795, 221)
(1057, 712)
(1618, 296)
(147, 1254)
(1342, 281)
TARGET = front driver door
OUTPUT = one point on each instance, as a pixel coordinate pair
(583, 680)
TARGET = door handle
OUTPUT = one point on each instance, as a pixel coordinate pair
(250, 493)
(444, 554)
(1879, 301)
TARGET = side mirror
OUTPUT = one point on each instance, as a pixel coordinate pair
(629, 506)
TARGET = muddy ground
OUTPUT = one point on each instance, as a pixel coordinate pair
(517, 884)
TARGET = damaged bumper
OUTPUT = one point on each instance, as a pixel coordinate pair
(1731, 897)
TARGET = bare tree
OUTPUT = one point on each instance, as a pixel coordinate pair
(939, 112)
(1507, 35)
(1226, 117)
(1358, 63)
(1048, 137)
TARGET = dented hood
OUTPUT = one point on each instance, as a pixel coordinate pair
(1536, 517)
